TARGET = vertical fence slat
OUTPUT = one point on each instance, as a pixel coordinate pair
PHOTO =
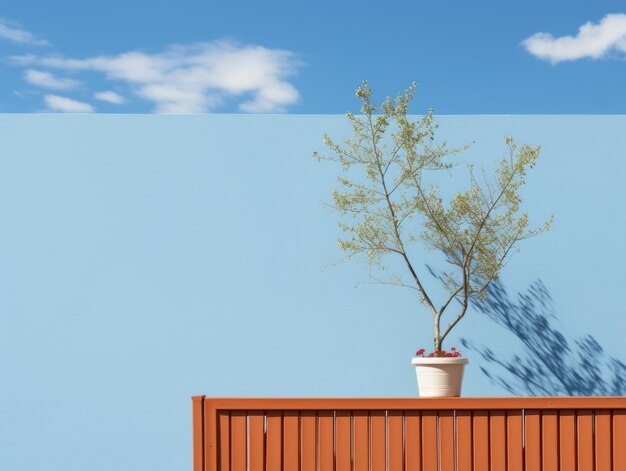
(325, 440)
(307, 440)
(532, 440)
(603, 439)
(567, 439)
(274, 441)
(514, 441)
(480, 428)
(378, 440)
(429, 440)
(395, 444)
(497, 440)
(619, 439)
(211, 443)
(413, 440)
(550, 440)
(361, 440)
(291, 440)
(446, 440)
(343, 444)
(464, 440)
(584, 440)
(256, 440)
(238, 441)
(224, 440)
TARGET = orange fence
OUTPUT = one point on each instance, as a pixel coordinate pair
(455, 434)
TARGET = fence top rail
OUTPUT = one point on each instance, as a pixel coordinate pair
(456, 403)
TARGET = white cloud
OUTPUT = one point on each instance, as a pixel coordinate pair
(67, 105)
(47, 80)
(593, 40)
(12, 32)
(196, 78)
(110, 97)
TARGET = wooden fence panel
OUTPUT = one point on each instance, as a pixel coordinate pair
(395, 445)
(550, 441)
(211, 439)
(274, 440)
(326, 438)
(567, 440)
(514, 441)
(308, 440)
(464, 440)
(291, 440)
(480, 428)
(497, 440)
(256, 440)
(429, 440)
(468, 434)
(378, 440)
(603, 440)
(224, 440)
(361, 441)
(343, 444)
(619, 448)
(238, 441)
(532, 443)
(584, 441)
(413, 439)
(446, 440)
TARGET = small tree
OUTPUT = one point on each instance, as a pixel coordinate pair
(390, 157)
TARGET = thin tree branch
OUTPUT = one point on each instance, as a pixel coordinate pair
(390, 283)
(487, 215)
(394, 220)
(464, 307)
(449, 300)
(392, 159)
(418, 185)
(500, 263)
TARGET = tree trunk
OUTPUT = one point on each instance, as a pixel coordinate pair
(438, 339)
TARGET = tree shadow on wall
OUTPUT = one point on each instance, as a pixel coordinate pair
(551, 364)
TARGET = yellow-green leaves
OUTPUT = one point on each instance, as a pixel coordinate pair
(386, 200)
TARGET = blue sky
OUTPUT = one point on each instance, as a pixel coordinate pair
(257, 57)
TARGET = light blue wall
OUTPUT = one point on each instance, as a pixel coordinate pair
(144, 259)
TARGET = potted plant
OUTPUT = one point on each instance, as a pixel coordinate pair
(440, 373)
(388, 201)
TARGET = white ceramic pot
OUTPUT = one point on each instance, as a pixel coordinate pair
(439, 376)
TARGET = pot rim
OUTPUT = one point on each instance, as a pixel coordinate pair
(439, 361)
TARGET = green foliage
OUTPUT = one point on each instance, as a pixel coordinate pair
(388, 201)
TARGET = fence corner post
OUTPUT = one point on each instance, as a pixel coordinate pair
(198, 432)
